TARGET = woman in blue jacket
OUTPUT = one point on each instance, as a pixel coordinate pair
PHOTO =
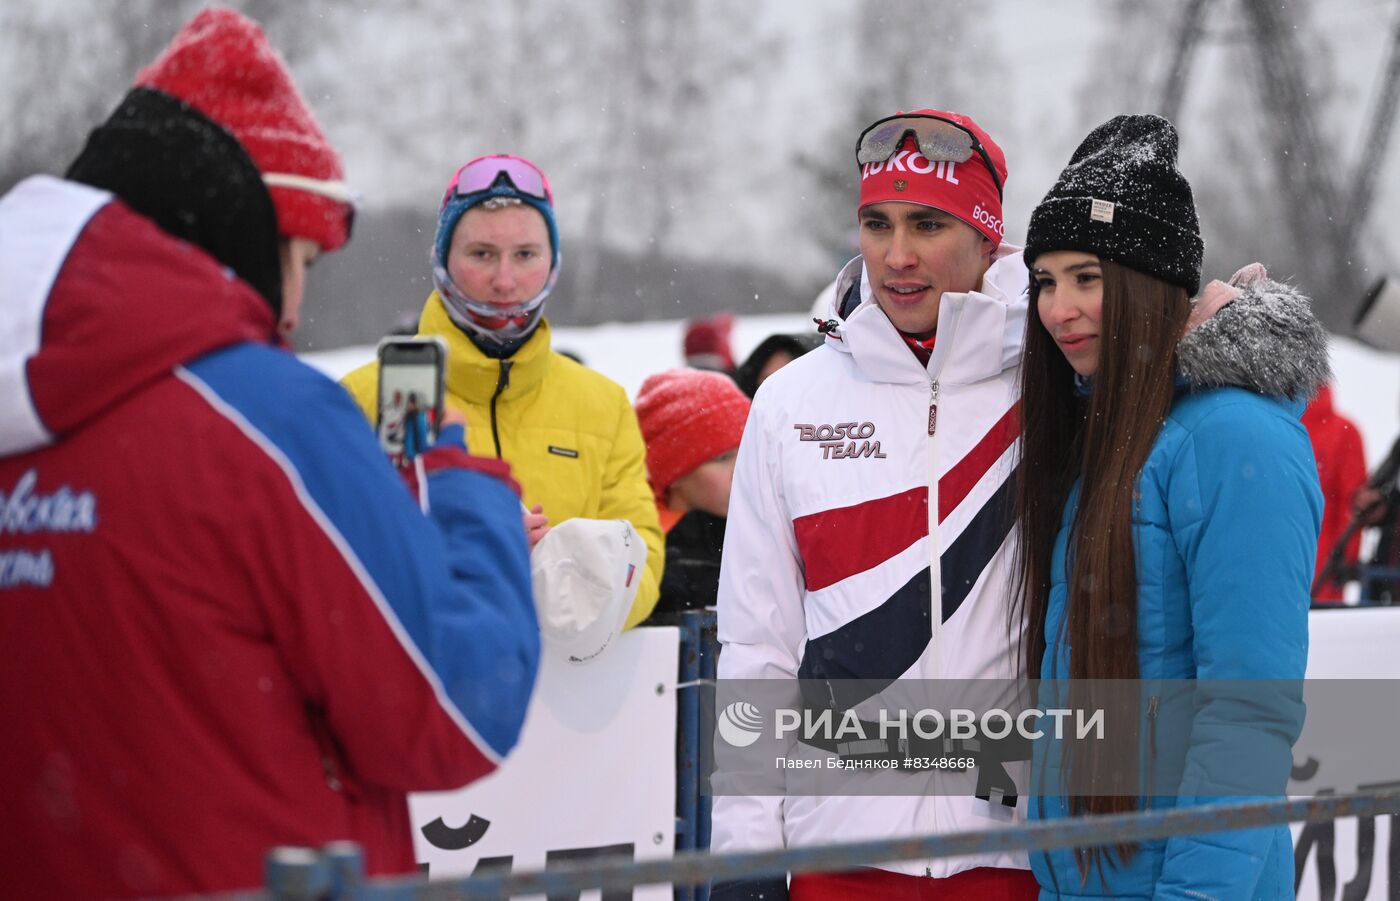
(1168, 528)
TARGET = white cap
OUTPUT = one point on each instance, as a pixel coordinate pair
(586, 573)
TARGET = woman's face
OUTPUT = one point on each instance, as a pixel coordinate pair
(501, 256)
(1070, 304)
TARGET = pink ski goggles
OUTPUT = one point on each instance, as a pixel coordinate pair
(485, 172)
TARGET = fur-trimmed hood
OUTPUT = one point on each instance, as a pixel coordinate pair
(1266, 340)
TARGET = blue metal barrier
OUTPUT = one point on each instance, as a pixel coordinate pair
(709, 662)
(688, 742)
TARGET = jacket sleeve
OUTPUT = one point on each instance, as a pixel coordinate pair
(761, 623)
(412, 637)
(1245, 507)
(626, 495)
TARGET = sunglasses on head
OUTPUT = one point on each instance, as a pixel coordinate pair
(939, 139)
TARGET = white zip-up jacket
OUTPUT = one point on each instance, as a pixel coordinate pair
(853, 456)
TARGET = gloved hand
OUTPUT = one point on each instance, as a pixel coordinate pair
(415, 435)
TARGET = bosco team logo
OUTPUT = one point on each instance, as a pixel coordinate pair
(842, 441)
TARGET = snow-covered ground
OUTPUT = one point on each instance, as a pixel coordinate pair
(1367, 387)
(625, 352)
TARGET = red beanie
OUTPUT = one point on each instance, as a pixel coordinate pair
(966, 189)
(221, 64)
(707, 342)
(688, 417)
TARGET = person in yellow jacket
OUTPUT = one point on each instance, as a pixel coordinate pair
(568, 432)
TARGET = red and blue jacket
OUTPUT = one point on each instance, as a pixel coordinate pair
(224, 623)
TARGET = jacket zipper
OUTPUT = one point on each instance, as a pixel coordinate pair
(935, 563)
(935, 570)
(1151, 746)
(502, 382)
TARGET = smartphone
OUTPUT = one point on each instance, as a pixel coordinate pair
(411, 390)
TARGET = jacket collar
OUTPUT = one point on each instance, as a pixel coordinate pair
(979, 332)
(473, 376)
(1266, 340)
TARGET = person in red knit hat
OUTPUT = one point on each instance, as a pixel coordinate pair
(691, 421)
(220, 73)
(226, 625)
(706, 344)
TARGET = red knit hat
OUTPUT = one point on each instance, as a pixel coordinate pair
(222, 64)
(966, 190)
(706, 344)
(688, 417)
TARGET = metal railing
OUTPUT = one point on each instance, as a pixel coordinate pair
(300, 875)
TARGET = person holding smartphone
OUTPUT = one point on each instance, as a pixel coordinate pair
(224, 624)
(568, 432)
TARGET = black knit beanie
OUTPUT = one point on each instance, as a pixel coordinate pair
(1122, 199)
(179, 168)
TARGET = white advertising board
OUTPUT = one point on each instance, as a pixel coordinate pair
(594, 773)
(1354, 858)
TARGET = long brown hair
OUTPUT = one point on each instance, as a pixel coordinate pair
(1103, 440)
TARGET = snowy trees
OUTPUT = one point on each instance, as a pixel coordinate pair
(701, 149)
(1272, 121)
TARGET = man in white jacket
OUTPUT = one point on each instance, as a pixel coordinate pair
(871, 511)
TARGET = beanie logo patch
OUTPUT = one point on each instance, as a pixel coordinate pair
(563, 452)
(900, 184)
(1101, 211)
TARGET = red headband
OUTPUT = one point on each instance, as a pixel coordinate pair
(965, 190)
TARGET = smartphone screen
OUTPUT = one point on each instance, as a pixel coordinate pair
(410, 383)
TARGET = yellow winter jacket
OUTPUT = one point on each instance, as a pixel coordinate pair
(568, 432)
